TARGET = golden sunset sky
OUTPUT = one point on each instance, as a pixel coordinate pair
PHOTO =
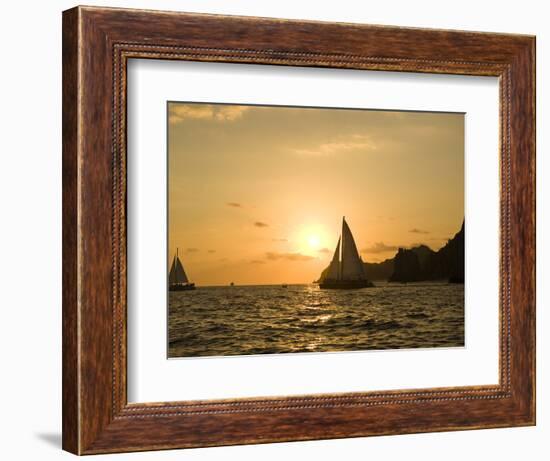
(256, 194)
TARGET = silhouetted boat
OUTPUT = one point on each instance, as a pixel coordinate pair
(346, 270)
(284, 285)
(177, 280)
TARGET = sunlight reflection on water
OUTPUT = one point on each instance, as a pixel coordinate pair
(244, 320)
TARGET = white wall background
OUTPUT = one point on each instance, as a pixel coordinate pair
(30, 228)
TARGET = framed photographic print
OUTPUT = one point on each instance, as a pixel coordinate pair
(281, 230)
(280, 269)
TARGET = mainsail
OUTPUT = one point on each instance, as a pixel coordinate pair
(352, 265)
(347, 264)
(177, 273)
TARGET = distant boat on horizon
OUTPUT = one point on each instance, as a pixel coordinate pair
(346, 270)
(177, 280)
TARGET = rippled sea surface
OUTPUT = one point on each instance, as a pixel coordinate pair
(244, 320)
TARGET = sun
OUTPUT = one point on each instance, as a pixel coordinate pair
(311, 239)
(314, 241)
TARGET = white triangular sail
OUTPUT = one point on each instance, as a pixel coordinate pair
(177, 273)
(351, 266)
(333, 272)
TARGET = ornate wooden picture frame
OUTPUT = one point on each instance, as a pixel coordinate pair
(97, 44)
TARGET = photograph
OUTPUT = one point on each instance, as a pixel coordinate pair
(312, 229)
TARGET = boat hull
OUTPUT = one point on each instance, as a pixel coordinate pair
(182, 287)
(345, 284)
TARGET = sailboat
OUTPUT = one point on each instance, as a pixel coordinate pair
(346, 270)
(177, 280)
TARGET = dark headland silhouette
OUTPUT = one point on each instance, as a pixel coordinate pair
(421, 263)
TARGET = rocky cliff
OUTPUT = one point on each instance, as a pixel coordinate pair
(379, 271)
(421, 263)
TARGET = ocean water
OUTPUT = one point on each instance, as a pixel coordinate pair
(245, 320)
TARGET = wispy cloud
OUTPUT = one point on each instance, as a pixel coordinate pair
(271, 256)
(211, 251)
(323, 250)
(279, 240)
(419, 231)
(340, 145)
(261, 224)
(234, 204)
(257, 261)
(379, 247)
(191, 250)
(221, 113)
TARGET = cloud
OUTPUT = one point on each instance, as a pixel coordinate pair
(234, 204)
(350, 143)
(418, 231)
(279, 240)
(288, 256)
(379, 247)
(191, 250)
(180, 112)
(323, 250)
(261, 224)
(257, 261)
(211, 251)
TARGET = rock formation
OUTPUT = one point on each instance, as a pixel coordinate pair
(407, 265)
(422, 263)
(379, 271)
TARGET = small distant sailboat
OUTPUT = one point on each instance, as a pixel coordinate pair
(346, 270)
(177, 280)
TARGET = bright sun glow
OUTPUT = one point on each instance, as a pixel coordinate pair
(311, 240)
(314, 241)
